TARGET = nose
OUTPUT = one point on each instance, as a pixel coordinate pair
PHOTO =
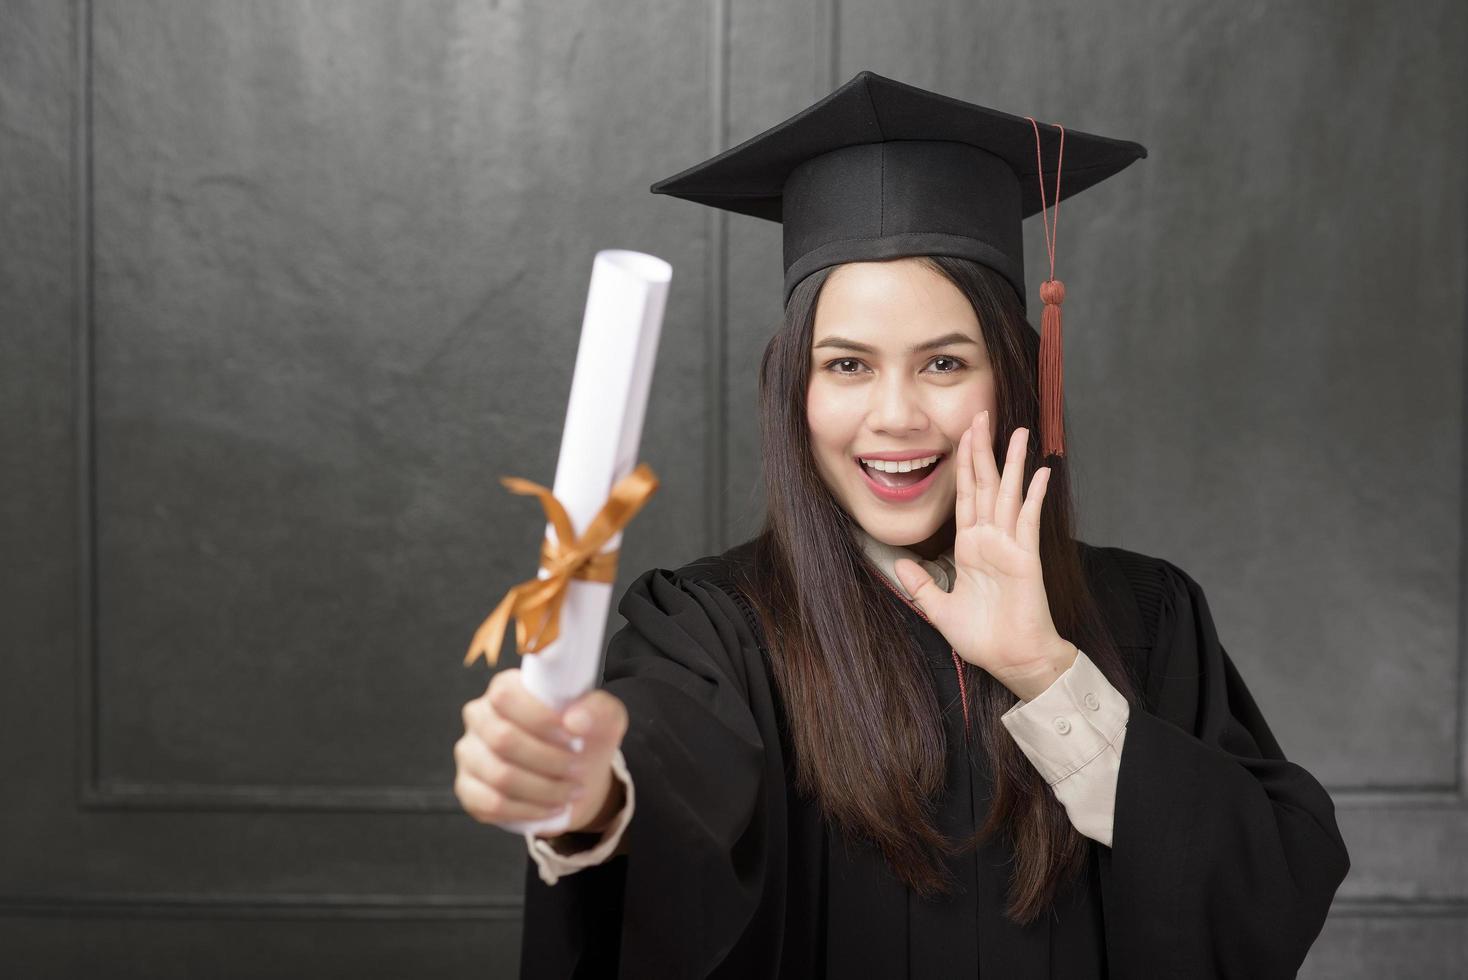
(895, 407)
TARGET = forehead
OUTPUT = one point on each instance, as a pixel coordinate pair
(891, 303)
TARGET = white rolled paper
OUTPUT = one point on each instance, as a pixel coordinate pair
(609, 389)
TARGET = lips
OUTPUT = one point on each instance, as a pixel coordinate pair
(901, 494)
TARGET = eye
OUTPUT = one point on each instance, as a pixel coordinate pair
(957, 362)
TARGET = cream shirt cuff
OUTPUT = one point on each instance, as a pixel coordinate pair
(1073, 733)
(554, 864)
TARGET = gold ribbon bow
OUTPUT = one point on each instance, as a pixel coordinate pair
(536, 603)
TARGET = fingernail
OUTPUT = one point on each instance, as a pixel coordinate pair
(578, 744)
(578, 720)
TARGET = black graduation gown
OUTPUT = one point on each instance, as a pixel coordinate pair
(1224, 860)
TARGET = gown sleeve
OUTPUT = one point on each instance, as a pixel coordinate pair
(686, 665)
(1225, 855)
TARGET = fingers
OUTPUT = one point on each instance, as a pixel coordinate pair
(493, 762)
(986, 474)
(914, 578)
(598, 716)
(1007, 501)
(488, 805)
(514, 762)
(963, 463)
(506, 739)
(1027, 529)
(923, 590)
(509, 697)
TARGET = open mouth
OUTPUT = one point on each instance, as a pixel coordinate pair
(900, 486)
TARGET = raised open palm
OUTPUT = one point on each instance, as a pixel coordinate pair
(997, 616)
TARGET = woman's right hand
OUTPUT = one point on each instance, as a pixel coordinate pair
(515, 761)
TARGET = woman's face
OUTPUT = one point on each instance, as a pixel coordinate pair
(898, 369)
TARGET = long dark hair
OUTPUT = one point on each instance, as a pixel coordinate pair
(865, 723)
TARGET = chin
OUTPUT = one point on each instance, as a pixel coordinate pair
(901, 531)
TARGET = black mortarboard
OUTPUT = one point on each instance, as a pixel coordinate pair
(879, 169)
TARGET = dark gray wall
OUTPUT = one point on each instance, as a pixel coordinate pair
(286, 286)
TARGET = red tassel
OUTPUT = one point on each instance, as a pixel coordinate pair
(1052, 292)
(1052, 371)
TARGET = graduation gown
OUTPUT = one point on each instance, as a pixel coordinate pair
(1225, 856)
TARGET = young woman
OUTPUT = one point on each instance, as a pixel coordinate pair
(913, 727)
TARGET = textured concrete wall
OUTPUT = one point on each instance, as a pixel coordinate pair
(286, 286)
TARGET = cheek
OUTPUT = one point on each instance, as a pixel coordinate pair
(963, 409)
(831, 427)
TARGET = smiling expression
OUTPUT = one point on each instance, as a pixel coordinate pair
(898, 370)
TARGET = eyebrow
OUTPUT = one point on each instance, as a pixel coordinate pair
(943, 341)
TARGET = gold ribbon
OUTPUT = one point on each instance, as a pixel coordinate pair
(536, 603)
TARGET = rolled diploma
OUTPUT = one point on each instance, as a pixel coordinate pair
(609, 389)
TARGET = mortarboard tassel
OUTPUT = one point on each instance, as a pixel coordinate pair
(1052, 370)
(1052, 294)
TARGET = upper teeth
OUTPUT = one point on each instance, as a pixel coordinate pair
(904, 466)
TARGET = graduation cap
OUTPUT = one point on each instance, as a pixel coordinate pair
(880, 169)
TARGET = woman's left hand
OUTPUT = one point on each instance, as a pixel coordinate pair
(997, 616)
